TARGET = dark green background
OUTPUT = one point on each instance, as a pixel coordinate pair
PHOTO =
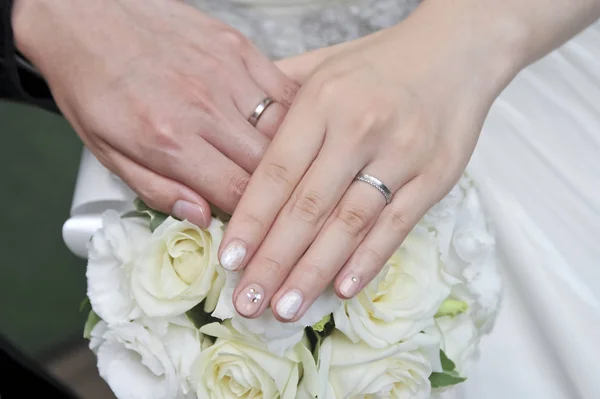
(41, 282)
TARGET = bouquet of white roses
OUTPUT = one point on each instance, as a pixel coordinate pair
(163, 325)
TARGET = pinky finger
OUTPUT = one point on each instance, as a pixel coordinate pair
(159, 192)
(396, 221)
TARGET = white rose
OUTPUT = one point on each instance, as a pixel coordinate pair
(481, 289)
(402, 300)
(147, 361)
(472, 236)
(459, 339)
(278, 336)
(178, 269)
(183, 343)
(356, 370)
(237, 366)
(472, 267)
(442, 217)
(97, 336)
(112, 251)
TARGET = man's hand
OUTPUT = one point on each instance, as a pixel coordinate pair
(160, 93)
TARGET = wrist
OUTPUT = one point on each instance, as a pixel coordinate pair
(485, 48)
(48, 30)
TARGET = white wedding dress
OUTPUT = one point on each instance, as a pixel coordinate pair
(538, 164)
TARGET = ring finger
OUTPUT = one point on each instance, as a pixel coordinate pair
(250, 101)
(240, 140)
(261, 111)
(392, 227)
(352, 219)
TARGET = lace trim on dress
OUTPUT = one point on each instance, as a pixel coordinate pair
(283, 29)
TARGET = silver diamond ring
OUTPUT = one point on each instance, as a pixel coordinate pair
(378, 184)
(258, 111)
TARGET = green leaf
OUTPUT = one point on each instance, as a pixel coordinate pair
(327, 328)
(320, 326)
(317, 333)
(199, 317)
(90, 323)
(134, 214)
(447, 364)
(219, 214)
(140, 205)
(449, 376)
(445, 379)
(315, 340)
(85, 304)
(451, 307)
(156, 218)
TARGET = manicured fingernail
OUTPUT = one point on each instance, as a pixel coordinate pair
(184, 210)
(249, 301)
(349, 286)
(233, 255)
(289, 304)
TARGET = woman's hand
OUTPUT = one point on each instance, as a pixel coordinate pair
(405, 106)
(160, 93)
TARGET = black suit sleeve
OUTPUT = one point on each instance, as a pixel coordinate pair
(19, 81)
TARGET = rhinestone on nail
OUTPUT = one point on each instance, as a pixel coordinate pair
(354, 279)
(253, 296)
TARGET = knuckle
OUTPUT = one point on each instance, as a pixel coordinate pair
(237, 185)
(164, 134)
(327, 88)
(370, 263)
(271, 267)
(375, 258)
(368, 119)
(255, 222)
(200, 99)
(399, 222)
(376, 113)
(289, 93)
(323, 86)
(317, 275)
(163, 141)
(308, 207)
(160, 145)
(354, 219)
(196, 95)
(153, 194)
(278, 173)
(233, 39)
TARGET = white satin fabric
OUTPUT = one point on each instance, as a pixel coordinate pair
(538, 163)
